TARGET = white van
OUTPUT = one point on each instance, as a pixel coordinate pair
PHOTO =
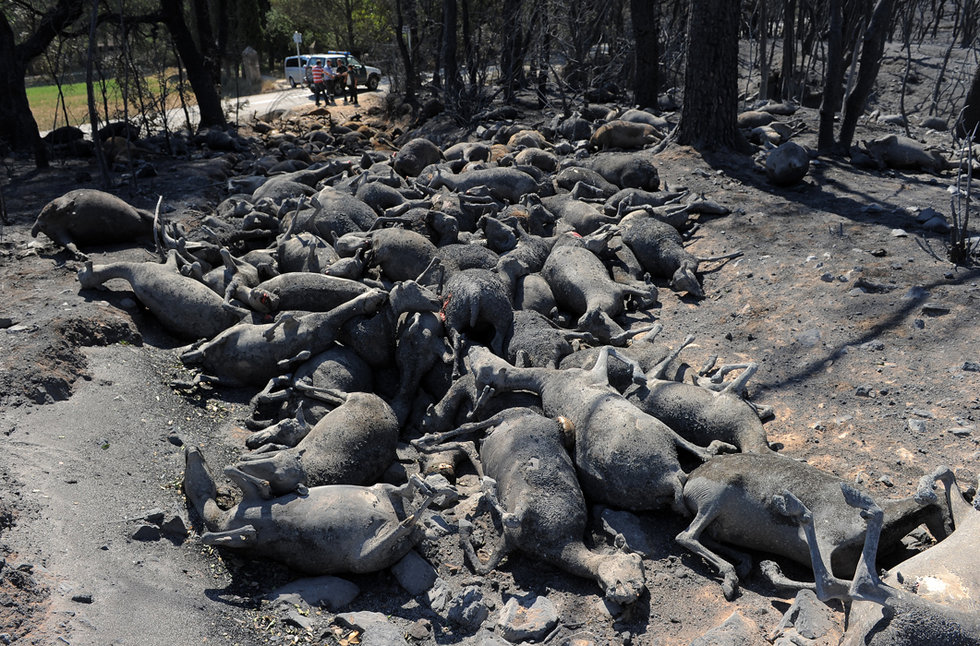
(294, 68)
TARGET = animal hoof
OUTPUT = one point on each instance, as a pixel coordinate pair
(859, 499)
(730, 589)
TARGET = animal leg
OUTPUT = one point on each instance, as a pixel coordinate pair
(327, 395)
(500, 549)
(690, 538)
(250, 485)
(774, 575)
(866, 585)
(241, 537)
(659, 370)
(737, 385)
(383, 542)
(825, 584)
(620, 340)
(287, 321)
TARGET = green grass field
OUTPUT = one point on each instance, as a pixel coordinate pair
(49, 114)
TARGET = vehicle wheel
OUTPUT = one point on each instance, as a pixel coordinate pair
(372, 82)
(292, 82)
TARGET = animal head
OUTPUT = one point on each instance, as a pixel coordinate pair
(621, 577)
(684, 280)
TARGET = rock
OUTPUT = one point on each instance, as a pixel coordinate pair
(960, 431)
(375, 628)
(809, 338)
(937, 224)
(971, 366)
(468, 609)
(935, 309)
(155, 516)
(808, 616)
(438, 595)
(414, 573)
(916, 293)
(735, 631)
(916, 425)
(83, 597)
(147, 533)
(295, 618)
(420, 630)
(331, 592)
(900, 233)
(175, 527)
(787, 164)
(519, 623)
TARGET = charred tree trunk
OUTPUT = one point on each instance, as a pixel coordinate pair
(199, 74)
(970, 116)
(789, 49)
(833, 84)
(509, 55)
(764, 50)
(711, 80)
(646, 52)
(449, 61)
(411, 78)
(871, 51)
(17, 125)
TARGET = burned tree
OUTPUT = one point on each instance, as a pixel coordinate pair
(711, 81)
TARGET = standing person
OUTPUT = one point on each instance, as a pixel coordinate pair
(317, 80)
(352, 84)
(342, 78)
(330, 76)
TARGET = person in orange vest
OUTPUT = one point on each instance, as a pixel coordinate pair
(318, 80)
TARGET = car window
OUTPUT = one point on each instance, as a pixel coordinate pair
(353, 61)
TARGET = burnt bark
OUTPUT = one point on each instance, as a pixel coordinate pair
(872, 49)
(833, 84)
(711, 80)
(199, 74)
(449, 61)
(789, 49)
(970, 115)
(17, 125)
(645, 14)
(411, 78)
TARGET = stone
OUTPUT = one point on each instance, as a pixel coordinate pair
(519, 623)
(83, 597)
(937, 224)
(147, 533)
(468, 609)
(175, 527)
(935, 309)
(734, 631)
(375, 628)
(295, 618)
(935, 123)
(917, 425)
(960, 431)
(808, 616)
(900, 233)
(971, 366)
(154, 516)
(438, 595)
(414, 573)
(331, 592)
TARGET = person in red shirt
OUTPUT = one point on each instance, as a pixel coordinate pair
(318, 80)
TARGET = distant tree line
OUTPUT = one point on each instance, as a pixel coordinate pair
(470, 53)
